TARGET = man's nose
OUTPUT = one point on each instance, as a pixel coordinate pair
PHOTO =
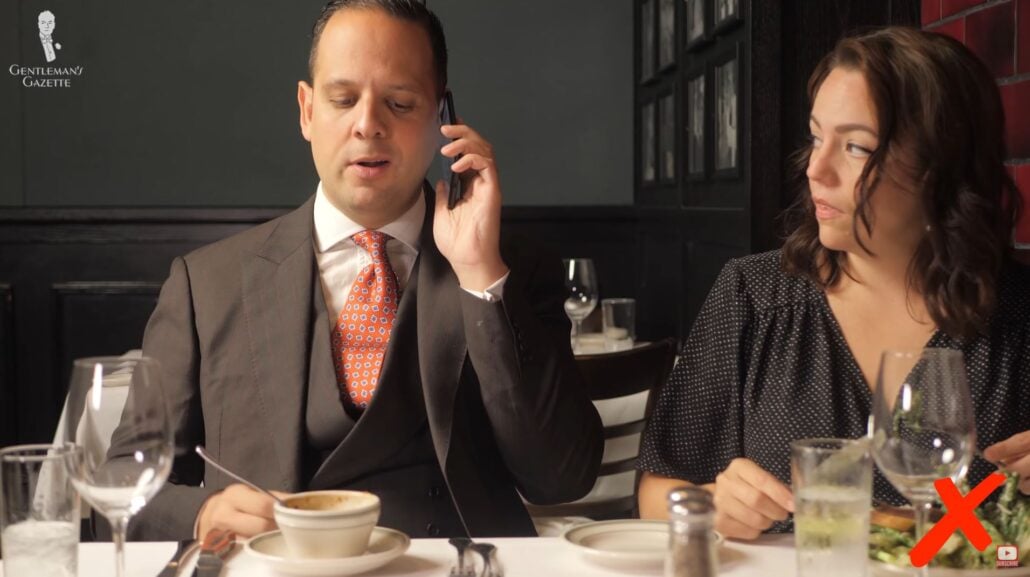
(369, 123)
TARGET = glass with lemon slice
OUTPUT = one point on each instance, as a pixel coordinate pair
(832, 481)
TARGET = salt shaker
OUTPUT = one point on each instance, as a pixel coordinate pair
(692, 544)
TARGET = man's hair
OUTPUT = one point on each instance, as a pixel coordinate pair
(941, 118)
(46, 13)
(410, 10)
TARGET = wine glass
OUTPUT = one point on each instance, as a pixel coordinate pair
(581, 281)
(922, 424)
(117, 415)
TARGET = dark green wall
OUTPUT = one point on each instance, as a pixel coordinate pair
(193, 102)
(551, 85)
(10, 109)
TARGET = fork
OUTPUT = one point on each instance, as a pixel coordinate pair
(464, 567)
(491, 566)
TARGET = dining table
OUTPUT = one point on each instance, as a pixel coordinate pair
(770, 555)
(594, 344)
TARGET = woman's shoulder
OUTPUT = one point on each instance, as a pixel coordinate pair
(762, 280)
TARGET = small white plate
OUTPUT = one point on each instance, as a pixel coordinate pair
(384, 546)
(881, 569)
(624, 542)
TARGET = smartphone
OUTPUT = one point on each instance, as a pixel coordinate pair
(454, 186)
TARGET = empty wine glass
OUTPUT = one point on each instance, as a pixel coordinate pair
(116, 413)
(581, 281)
(922, 424)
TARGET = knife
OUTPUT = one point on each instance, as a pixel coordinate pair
(213, 550)
(182, 552)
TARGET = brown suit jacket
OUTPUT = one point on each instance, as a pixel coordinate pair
(235, 328)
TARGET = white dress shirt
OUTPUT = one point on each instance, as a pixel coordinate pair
(340, 259)
(48, 46)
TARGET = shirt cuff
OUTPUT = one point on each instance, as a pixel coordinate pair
(493, 293)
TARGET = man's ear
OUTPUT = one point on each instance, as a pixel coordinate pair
(305, 100)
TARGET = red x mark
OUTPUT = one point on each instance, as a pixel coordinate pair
(960, 516)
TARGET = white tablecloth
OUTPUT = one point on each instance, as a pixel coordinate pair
(530, 557)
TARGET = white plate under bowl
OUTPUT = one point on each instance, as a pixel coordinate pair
(384, 546)
(624, 542)
(880, 569)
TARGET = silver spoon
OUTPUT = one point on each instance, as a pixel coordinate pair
(211, 460)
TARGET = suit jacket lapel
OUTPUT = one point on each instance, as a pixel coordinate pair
(441, 335)
(277, 288)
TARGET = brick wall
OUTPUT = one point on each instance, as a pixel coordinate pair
(998, 31)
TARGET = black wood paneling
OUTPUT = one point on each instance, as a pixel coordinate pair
(98, 319)
(661, 280)
(704, 260)
(606, 235)
(763, 104)
(8, 415)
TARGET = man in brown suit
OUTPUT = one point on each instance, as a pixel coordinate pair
(477, 400)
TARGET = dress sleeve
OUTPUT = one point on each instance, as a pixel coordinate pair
(695, 429)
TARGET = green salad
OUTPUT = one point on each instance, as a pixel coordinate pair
(1007, 520)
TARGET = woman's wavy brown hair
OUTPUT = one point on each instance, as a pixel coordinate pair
(934, 96)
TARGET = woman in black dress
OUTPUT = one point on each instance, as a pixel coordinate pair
(902, 241)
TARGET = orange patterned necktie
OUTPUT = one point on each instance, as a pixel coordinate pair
(363, 329)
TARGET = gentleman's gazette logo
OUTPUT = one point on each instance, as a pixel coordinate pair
(53, 76)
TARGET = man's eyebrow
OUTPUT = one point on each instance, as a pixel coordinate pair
(852, 127)
(344, 83)
(339, 83)
(403, 88)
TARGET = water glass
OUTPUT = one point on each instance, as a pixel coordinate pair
(618, 319)
(833, 486)
(40, 512)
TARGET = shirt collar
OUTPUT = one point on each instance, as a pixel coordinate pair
(333, 227)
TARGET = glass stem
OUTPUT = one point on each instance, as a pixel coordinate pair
(577, 328)
(922, 513)
(119, 525)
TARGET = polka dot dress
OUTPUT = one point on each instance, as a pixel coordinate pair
(362, 332)
(766, 363)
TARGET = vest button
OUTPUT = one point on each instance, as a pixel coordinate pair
(432, 530)
(434, 492)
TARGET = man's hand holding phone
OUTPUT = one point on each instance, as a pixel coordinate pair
(468, 235)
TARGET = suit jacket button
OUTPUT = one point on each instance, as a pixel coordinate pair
(434, 492)
(432, 530)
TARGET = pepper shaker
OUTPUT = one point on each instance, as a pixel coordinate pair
(692, 544)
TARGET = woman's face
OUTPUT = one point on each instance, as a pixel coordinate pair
(844, 134)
